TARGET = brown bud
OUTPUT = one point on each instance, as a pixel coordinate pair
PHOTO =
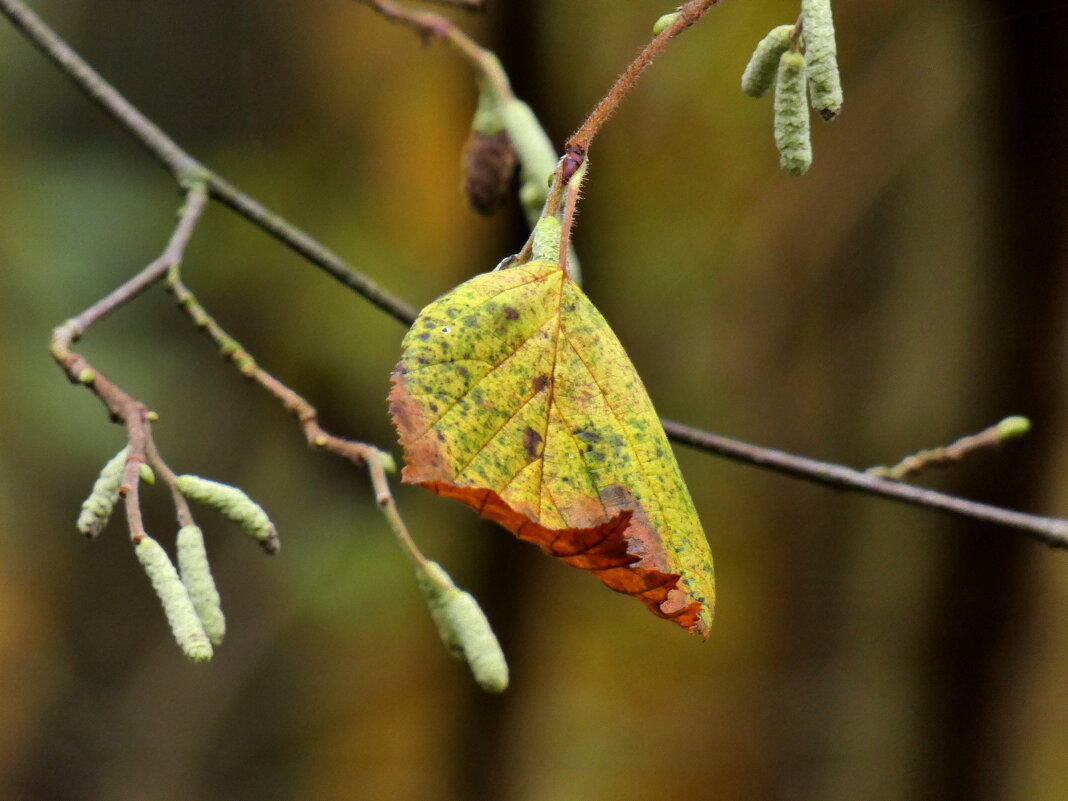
(489, 165)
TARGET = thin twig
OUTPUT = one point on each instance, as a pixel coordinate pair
(1052, 531)
(122, 406)
(357, 452)
(306, 414)
(947, 455)
(428, 25)
(689, 14)
(184, 167)
(1049, 530)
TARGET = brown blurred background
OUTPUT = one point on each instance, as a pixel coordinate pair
(910, 289)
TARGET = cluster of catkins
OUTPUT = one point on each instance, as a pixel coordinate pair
(187, 594)
(798, 60)
(191, 601)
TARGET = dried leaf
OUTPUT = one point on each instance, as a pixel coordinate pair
(514, 397)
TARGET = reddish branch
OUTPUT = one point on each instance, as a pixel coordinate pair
(689, 14)
(306, 414)
(123, 407)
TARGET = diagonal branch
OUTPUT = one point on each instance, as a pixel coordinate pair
(184, 167)
(378, 462)
(1049, 530)
(189, 172)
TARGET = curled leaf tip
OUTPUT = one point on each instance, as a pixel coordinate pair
(96, 509)
(185, 625)
(464, 628)
(1012, 427)
(233, 503)
(664, 23)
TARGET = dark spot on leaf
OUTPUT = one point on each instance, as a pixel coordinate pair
(423, 336)
(540, 383)
(463, 372)
(511, 313)
(433, 407)
(589, 437)
(423, 360)
(531, 441)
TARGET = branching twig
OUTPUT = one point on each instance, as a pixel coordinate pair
(185, 168)
(122, 406)
(1052, 531)
(359, 453)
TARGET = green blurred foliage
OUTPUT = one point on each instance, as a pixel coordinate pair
(872, 308)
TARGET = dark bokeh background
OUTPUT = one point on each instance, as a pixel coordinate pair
(910, 289)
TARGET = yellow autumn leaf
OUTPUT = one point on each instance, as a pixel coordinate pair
(515, 397)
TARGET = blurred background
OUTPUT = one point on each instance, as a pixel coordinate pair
(909, 290)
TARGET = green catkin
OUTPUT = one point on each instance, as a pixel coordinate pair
(233, 503)
(464, 629)
(821, 54)
(759, 74)
(664, 22)
(196, 576)
(177, 605)
(792, 135)
(96, 509)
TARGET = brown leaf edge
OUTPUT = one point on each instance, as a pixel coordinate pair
(610, 550)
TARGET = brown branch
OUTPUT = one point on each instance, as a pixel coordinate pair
(1052, 531)
(689, 14)
(359, 453)
(123, 407)
(428, 25)
(296, 405)
(184, 167)
(948, 455)
(1049, 530)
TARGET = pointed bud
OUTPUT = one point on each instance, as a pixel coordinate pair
(1012, 427)
(664, 23)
